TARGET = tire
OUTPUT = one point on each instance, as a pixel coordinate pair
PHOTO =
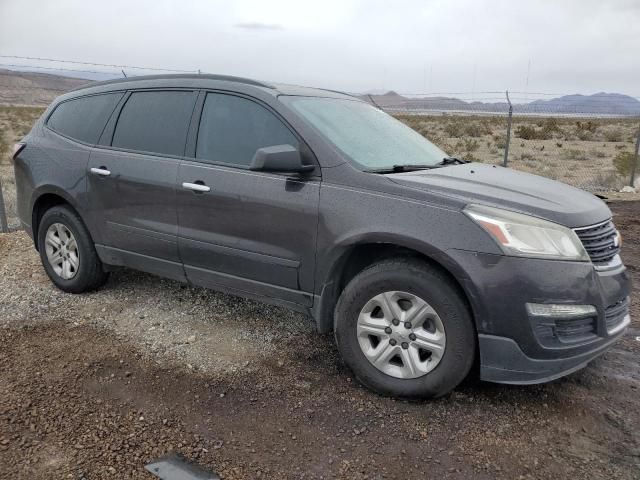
(84, 271)
(428, 372)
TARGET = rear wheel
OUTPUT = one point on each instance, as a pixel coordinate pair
(405, 330)
(67, 251)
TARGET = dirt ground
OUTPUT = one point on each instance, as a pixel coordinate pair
(95, 386)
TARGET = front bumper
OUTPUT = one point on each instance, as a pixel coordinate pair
(516, 348)
(502, 361)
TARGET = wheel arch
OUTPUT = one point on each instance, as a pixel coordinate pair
(43, 200)
(350, 258)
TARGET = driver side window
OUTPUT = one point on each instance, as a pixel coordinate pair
(232, 128)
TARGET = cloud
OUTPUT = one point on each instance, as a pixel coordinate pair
(258, 26)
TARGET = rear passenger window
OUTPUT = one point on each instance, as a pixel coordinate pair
(84, 118)
(155, 122)
(232, 129)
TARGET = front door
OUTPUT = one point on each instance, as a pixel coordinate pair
(132, 182)
(239, 230)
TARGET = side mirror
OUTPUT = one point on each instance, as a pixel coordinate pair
(279, 158)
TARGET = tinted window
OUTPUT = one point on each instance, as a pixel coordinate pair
(233, 128)
(84, 118)
(155, 122)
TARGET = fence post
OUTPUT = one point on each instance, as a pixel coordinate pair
(506, 147)
(634, 163)
(4, 227)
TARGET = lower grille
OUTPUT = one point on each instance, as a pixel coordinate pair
(600, 241)
(566, 330)
(615, 314)
(575, 330)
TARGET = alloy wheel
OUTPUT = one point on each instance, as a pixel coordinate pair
(401, 334)
(62, 251)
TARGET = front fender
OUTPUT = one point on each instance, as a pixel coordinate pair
(335, 261)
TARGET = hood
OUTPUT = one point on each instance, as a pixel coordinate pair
(512, 190)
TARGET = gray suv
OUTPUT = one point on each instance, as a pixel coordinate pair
(421, 264)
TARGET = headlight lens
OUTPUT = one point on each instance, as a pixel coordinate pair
(528, 236)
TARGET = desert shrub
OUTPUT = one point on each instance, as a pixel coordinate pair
(527, 132)
(454, 129)
(598, 153)
(547, 128)
(476, 129)
(526, 156)
(614, 135)
(584, 135)
(470, 145)
(588, 126)
(574, 154)
(623, 162)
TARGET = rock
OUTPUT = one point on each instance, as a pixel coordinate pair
(628, 189)
(191, 339)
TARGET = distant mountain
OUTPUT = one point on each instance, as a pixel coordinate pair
(596, 104)
(604, 103)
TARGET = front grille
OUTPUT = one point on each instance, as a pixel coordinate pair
(616, 313)
(600, 241)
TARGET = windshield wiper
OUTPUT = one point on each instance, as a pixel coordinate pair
(414, 167)
(451, 161)
(401, 168)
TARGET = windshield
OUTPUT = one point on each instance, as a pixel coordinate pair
(368, 136)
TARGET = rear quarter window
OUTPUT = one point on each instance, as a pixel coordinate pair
(84, 118)
(155, 122)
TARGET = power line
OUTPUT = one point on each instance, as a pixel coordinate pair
(99, 64)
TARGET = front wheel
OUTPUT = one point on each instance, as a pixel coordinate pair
(405, 330)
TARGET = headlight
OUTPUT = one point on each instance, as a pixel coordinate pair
(528, 236)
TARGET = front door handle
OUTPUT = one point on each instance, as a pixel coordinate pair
(199, 187)
(102, 171)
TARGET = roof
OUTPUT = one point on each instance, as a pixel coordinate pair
(209, 80)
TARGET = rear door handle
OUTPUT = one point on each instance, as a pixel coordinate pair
(102, 171)
(196, 187)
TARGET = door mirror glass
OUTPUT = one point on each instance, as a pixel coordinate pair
(279, 158)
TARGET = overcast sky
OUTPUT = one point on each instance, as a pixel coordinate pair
(411, 46)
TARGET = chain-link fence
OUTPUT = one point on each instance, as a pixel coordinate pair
(588, 142)
(574, 144)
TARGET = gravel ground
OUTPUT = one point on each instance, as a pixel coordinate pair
(97, 385)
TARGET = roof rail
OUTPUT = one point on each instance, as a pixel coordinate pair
(205, 76)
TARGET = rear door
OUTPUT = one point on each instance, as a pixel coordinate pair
(245, 231)
(132, 181)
